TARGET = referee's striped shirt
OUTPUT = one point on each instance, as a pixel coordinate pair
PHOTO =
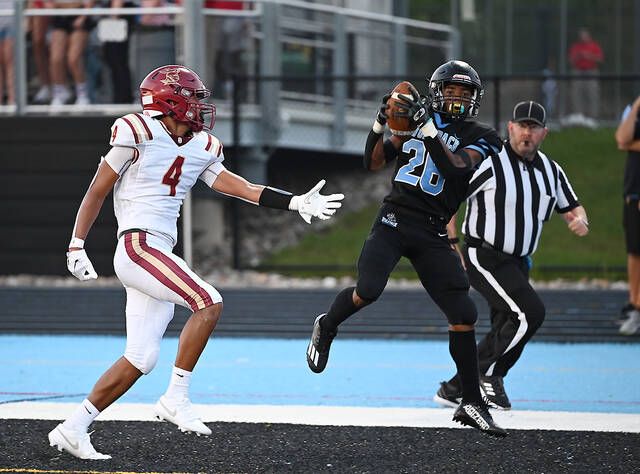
(510, 199)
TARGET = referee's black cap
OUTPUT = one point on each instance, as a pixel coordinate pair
(530, 111)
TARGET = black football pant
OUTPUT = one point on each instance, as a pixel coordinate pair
(423, 240)
(516, 309)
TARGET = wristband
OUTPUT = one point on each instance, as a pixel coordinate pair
(429, 129)
(76, 243)
(275, 198)
(454, 240)
(377, 128)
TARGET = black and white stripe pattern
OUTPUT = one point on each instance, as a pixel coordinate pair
(509, 201)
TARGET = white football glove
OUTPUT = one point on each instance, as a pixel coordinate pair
(80, 266)
(313, 204)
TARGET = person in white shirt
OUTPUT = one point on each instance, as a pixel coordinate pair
(156, 158)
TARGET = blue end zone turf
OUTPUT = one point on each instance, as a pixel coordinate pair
(367, 373)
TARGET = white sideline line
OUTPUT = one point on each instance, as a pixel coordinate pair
(341, 416)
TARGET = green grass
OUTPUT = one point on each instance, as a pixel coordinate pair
(594, 167)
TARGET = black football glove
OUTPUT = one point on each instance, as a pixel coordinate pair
(381, 116)
(418, 111)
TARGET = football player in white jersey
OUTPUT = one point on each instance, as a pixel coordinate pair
(155, 159)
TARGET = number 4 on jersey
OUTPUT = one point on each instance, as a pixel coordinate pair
(172, 176)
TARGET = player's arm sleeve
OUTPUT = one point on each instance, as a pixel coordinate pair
(566, 197)
(464, 161)
(215, 167)
(486, 146)
(211, 173)
(120, 158)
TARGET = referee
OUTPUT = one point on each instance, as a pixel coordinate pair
(511, 196)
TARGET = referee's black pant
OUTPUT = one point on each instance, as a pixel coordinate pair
(516, 309)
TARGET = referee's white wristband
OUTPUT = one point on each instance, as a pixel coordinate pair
(76, 243)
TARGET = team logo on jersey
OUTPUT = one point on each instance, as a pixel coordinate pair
(390, 220)
(172, 76)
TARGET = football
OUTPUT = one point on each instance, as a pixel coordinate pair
(399, 125)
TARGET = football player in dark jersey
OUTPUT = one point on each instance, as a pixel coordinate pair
(433, 166)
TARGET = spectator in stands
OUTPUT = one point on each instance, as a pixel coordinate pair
(549, 89)
(116, 52)
(154, 20)
(40, 49)
(628, 139)
(6, 55)
(585, 56)
(68, 43)
(227, 42)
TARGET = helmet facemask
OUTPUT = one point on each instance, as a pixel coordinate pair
(455, 107)
(199, 115)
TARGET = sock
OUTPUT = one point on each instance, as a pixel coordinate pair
(59, 90)
(340, 310)
(82, 90)
(179, 384)
(82, 417)
(464, 351)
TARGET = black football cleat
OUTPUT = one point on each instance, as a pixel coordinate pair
(319, 345)
(448, 395)
(476, 415)
(492, 387)
(625, 312)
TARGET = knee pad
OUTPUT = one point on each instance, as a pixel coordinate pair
(143, 358)
(464, 312)
(535, 317)
(369, 290)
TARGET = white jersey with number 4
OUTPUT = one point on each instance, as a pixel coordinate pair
(155, 181)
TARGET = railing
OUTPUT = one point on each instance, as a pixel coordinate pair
(275, 27)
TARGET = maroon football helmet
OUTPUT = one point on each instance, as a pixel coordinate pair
(178, 92)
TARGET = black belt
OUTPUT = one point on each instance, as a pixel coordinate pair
(477, 243)
(432, 219)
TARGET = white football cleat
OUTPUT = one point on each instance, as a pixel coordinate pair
(180, 414)
(75, 443)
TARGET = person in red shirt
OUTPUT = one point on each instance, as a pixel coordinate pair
(585, 56)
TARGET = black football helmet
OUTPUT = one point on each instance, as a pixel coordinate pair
(455, 72)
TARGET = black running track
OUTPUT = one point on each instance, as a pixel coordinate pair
(245, 448)
(572, 315)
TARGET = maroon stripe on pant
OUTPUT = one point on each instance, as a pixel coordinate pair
(159, 275)
(155, 272)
